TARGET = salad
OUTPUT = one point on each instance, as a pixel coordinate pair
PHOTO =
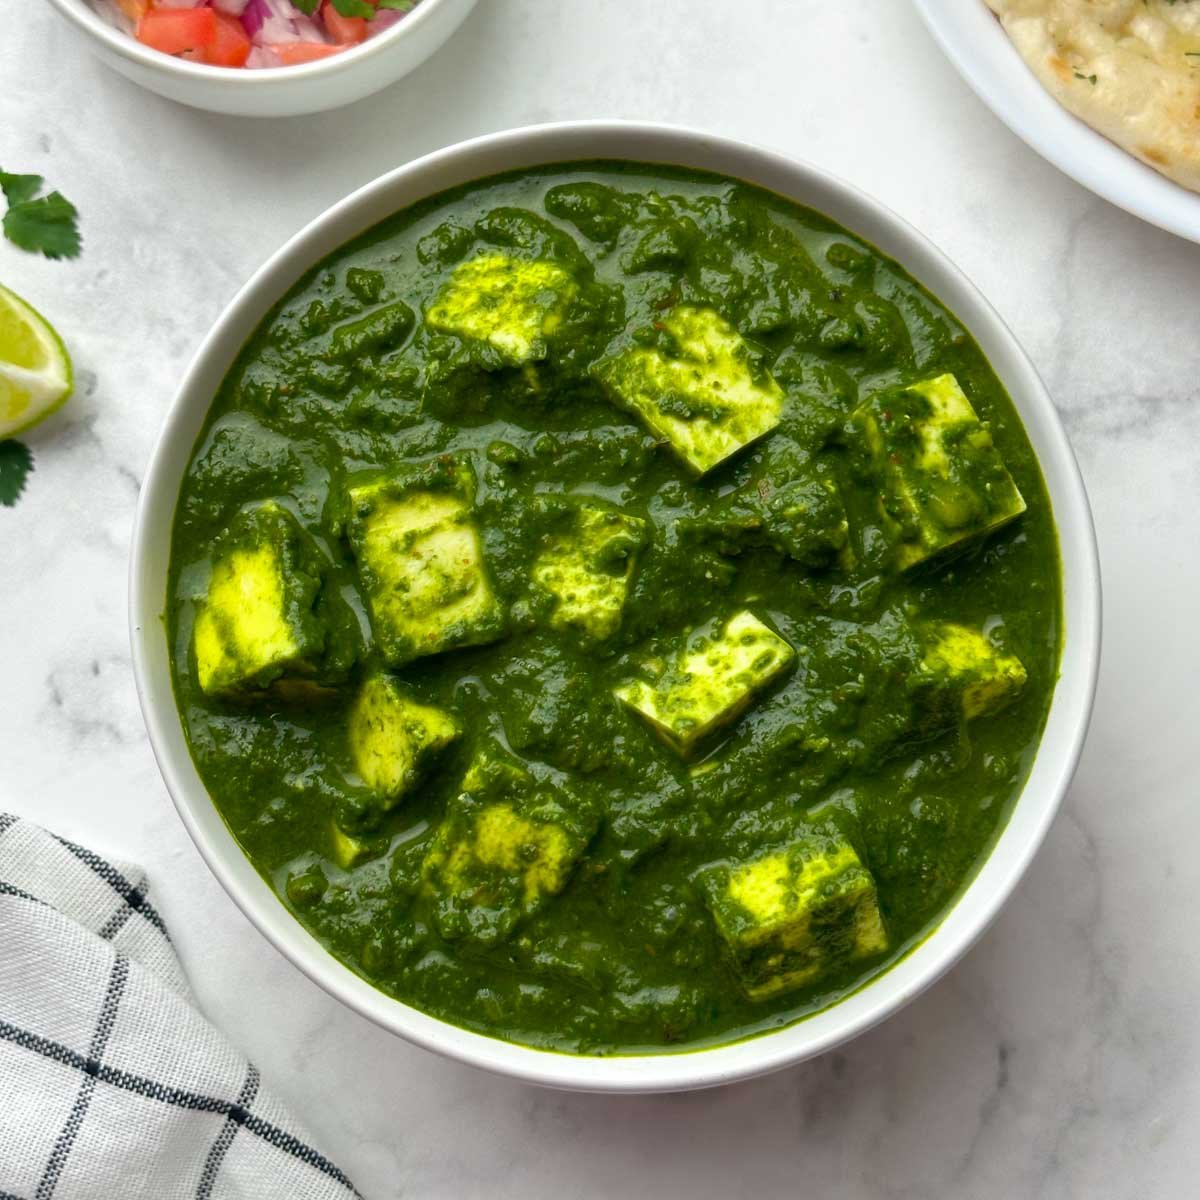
(253, 33)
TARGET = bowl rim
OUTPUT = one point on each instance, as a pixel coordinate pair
(973, 40)
(1032, 813)
(83, 16)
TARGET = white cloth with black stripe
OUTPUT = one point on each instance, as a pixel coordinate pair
(112, 1085)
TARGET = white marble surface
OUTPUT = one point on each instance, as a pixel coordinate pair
(1060, 1059)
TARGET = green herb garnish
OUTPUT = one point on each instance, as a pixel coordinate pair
(354, 8)
(345, 8)
(41, 224)
(16, 462)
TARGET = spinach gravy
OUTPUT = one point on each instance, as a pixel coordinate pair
(614, 607)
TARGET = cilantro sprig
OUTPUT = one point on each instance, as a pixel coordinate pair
(40, 224)
(16, 462)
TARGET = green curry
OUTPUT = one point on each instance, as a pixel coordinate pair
(614, 607)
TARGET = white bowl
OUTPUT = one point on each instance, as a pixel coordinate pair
(975, 42)
(1065, 728)
(281, 91)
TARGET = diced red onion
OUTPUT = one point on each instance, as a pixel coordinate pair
(309, 31)
(271, 22)
(262, 56)
(253, 16)
(234, 8)
(385, 18)
(180, 3)
(274, 31)
(283, 8)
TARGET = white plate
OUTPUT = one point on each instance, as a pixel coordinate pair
(973, 40)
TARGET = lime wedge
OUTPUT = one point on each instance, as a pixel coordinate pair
(35, 372)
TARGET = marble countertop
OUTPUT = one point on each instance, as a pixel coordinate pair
(1060, 1059)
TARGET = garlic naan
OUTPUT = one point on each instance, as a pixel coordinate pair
(1129, 68)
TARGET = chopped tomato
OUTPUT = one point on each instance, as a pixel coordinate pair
(174, 30)
(293, 53)
(346, 30)
(231, 46)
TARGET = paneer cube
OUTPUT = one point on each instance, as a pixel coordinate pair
(941, 480)
(421, 563)
(796, 914)
(587, 566)
(711, 682)
(963, 676)
(506, 845)
(348, 851)
(393, 738)
(255, 625)
(512, 305)
(702, 392)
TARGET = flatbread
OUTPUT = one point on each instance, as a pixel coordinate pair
(1129, 68)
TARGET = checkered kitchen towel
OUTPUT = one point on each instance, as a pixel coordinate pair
(112, 1086)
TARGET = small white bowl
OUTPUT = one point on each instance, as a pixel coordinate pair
(975, 42)
(280, 91)
(651, 144)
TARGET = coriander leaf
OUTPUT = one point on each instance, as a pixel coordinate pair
(15, 464)
(18, 188)
(307, 7)
(353, 8)
(47, 224)
(399, 5)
